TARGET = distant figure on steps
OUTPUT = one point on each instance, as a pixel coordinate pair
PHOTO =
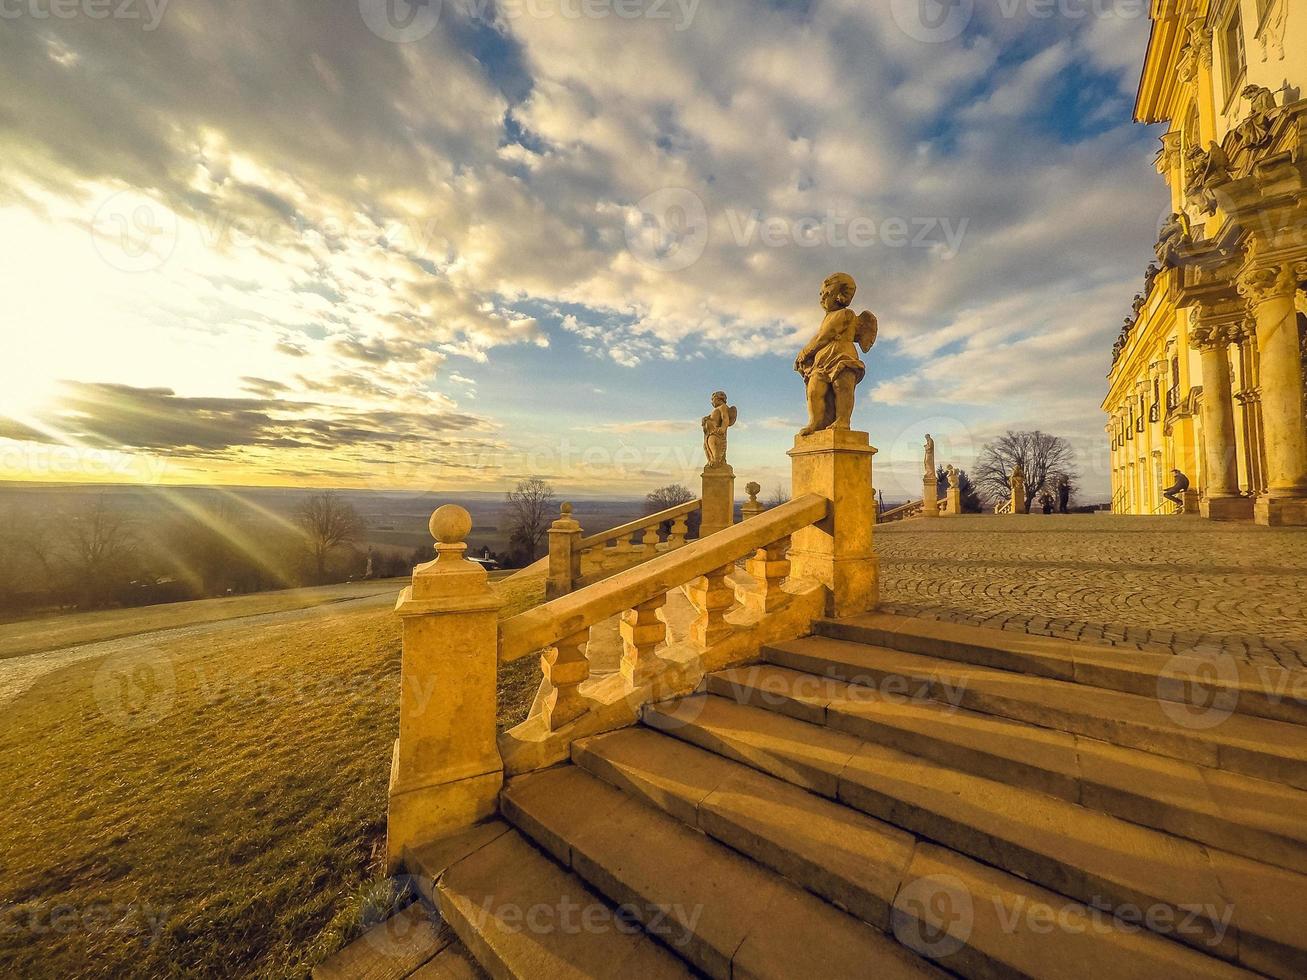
(1175, 492)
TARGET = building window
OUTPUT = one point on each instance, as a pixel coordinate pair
(1232, 52)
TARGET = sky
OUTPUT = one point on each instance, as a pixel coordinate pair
(449, 245)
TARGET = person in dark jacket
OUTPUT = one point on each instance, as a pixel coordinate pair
(1064, 496)
(1175, 492)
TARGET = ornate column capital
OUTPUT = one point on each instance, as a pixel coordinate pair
(1264, 282)
(1213, 336)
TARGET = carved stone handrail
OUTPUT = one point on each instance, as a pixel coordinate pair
(639, 524)
(566, 616)
(912, 508)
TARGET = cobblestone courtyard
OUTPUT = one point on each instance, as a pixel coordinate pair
(1150, 583)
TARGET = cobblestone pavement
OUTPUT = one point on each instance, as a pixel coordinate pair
(1165, 584)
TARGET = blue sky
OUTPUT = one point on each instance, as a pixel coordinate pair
(448, 246)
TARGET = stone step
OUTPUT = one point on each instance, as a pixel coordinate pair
(1267, 692)
(1253, 817)
(972, 920)
(521, 915)
(1259, 747)
(1229, 906)
(726, 915)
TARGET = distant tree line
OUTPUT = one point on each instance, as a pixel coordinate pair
(98, 554)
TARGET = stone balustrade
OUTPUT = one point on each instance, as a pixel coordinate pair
(804, 559)
(904, 512)
(576, 561)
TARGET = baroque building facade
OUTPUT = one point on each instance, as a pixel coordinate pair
(1208, 373)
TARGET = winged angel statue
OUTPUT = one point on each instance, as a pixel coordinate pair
(829, 362)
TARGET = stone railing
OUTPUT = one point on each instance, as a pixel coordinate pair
(576, 561)
(1003, 507)
(904, 512)
(808, 558)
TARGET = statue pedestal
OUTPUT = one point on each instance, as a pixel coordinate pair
(836, 464)
(1019, 501)
(929, 497)
(718, 509)
(953, 508)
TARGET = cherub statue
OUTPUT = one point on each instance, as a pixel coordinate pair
(829, 362)
(953, 476)
(715, 424)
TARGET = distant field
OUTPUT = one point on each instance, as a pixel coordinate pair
(230, 825)
(68, 629)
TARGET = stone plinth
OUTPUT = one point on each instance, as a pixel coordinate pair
(1019, 501)
(836, 463)
(1227, 509)
(718, 509)
(564, 555)
(446, 772)
(1281, 511)
(953, 506)
(929, 497)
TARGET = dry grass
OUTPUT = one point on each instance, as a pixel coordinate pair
(54, 632)
(231, 825)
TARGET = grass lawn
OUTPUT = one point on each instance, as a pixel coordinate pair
(232, 823)
(53, 632)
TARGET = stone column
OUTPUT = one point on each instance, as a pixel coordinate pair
(446, 771)
(836, 463)
(1224, 502)
(1271, 289)
(564, 555)
(718, 510)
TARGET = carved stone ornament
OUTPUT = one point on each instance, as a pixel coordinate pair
(1262, 283)
(1272, 32)
(1258, 128)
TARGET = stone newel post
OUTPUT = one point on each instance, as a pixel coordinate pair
(564, 555)
(718, 509)
(836, 463)
(446, 771)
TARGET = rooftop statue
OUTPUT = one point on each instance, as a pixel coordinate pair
(1256, 130)
(829, 362)
(715, 426)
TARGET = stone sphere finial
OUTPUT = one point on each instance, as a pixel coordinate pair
(566, 510)
(753, 489)
(451, 524)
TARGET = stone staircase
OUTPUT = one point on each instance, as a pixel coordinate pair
(896, 797)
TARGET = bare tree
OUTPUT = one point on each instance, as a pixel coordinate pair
(327, 522)
(531, 510)
(97, 551)
(664, 498)
(1044, 458)
(779, 495)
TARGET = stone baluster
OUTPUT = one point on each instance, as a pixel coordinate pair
(1271, 288)
(446, 770)
(769, 567)
(564, 554)
(680, 528)
(643, 631)
(712, 596)
(565, 669)
(649, 543)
